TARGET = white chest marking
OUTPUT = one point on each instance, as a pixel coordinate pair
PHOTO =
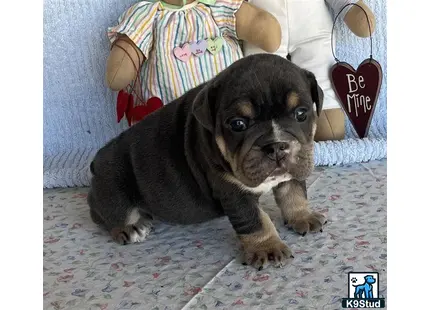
(269, 183)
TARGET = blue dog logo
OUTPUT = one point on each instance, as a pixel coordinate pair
(365, 290)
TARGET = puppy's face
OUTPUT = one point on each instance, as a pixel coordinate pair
(260, 112)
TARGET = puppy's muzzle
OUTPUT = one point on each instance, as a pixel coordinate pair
(277, 151)
(281, 151)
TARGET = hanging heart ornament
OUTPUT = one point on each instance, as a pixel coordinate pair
(357, 90)
(125, 106)
(141, 111)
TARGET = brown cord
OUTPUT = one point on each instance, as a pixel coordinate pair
(137, 80)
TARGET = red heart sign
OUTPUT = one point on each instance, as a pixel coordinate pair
(121, 104)
(129, 111)
(141, 111)
(358, 91)
(124, 105)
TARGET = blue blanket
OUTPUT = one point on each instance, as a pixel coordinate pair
(79, 110)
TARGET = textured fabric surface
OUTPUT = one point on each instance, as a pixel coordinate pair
(79, 111)
(198, 266)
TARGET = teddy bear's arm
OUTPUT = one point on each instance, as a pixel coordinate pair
(258, 27)
(123, 61)
(355, 18)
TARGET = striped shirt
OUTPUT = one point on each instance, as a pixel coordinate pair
(157, 30)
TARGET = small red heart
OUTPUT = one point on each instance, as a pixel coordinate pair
(150, 106)
(129, 111)
(358, 91)
(121, 104)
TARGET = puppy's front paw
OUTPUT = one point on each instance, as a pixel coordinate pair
(131, 233)
(305, 222)
(273, 249)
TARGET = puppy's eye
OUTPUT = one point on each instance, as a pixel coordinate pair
(300, 114)
(239, 124)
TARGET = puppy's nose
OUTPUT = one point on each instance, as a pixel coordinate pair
(276, 151)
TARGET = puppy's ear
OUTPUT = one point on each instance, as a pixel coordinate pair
(204, 106)
(316, 91)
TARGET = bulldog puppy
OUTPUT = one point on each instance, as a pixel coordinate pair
(212, 153)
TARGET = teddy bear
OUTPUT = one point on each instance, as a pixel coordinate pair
(306, 40)
(161, 49)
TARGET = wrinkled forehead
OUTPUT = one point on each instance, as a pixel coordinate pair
(264, 77)
(270, 83)
(266, 101)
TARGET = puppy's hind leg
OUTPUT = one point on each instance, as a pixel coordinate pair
(137, 228)
(96, 218)
(118, 214)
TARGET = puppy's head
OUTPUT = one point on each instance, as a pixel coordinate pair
(260, 112)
